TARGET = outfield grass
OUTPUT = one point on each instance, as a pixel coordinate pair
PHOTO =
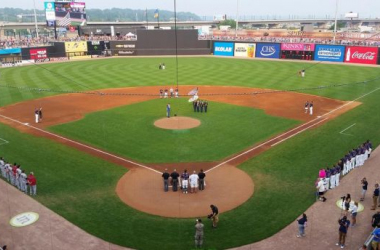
(81, 188)
(129, 131)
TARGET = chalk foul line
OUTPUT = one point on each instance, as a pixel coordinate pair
(81, 144)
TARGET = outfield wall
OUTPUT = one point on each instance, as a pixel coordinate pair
(165, 42)
(299, 51)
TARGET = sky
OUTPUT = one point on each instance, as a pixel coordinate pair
(248, 8)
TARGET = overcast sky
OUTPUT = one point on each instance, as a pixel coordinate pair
(283, 8)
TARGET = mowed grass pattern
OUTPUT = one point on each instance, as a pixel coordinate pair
(129, 131)
(81, 188)
(122, 72)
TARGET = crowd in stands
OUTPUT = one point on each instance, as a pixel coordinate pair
(329, 177)
(17, 177)
(14, 42)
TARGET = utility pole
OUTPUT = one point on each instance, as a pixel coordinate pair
(35, 17)
(336, 19)
(237, 17)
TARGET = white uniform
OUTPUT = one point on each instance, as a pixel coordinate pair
(23, 185)
(193, 180)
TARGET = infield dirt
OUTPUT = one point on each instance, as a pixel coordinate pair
(140, 184)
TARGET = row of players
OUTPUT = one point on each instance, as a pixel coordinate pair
(329, 177)
(18, 178)
(165, 93)
(200, 105)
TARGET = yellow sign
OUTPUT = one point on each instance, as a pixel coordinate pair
(75, 47)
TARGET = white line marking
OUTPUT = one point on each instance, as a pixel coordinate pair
(331, 111)
(83, 145)
(341, 132)
(4, 141)
(274, 144)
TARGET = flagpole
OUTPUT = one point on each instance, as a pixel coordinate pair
(146, 16)
(158, 19)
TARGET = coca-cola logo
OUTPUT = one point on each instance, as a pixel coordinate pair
(363, 56)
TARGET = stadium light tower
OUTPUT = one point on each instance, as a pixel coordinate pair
(35, 17)
(336, 19)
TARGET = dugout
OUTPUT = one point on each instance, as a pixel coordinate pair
(10, 57)
(163, 42)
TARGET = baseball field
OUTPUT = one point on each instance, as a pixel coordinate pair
(98, 157)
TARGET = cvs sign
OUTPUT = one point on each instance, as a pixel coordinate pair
(365, 55)
(223, 49)
(268, 50)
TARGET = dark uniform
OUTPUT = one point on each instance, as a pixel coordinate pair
(175, 176)
(205, 105)
(195, 106)
(201, 176)
(166, 176)
(201, 104)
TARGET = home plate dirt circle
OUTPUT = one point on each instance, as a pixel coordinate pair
(177, 122)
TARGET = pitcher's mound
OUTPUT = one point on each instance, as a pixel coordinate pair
(177, 122)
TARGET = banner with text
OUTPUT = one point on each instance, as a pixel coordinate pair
(245, 50)
(268, 50)
(298, 46)
(364, 55)
(75, 47)
(223, 49)
(123, 48)
(329, 53)
(38, 53)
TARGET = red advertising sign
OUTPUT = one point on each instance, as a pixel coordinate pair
(298, 46)
(365, 55)
(38, 53)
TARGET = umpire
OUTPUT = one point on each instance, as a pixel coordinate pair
(166, 176)
(201, 176)
(174, 176)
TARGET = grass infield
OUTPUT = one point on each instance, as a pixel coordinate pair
(129, 131)
(81, 188)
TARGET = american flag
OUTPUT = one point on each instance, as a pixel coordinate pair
(65, 21)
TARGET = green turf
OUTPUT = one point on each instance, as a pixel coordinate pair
(81, 188)
(129, 131)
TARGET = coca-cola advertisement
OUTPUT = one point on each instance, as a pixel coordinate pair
(38, 53)
(364, 55)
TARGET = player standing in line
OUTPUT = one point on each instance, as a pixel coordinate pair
(201, 176)
(171, 92)
(161, 93)
(306, 106)
(174, 177)
(36, 115)
(40, 115)
(166, 93)
(166, 176)
(311, 105)
(185, 181)
(23, 181)
(32, 181)
(193, 182)
(176, 92)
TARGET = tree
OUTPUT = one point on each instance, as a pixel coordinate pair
(229, 22)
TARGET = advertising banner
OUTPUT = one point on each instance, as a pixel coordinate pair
(365, 55)
(245, 50)
(75, 47)
(123, 48)
(50, 11)
(10, 51)
(298, 46)
(268, 50)
(329, 53)
(38, 53)
(223, 49)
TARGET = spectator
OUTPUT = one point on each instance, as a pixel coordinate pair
(364, 188)
(376, 239)
(344, 223)
(376, 219)
(302, 222)
(321, 190)
(375, 196)
(354, 213)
